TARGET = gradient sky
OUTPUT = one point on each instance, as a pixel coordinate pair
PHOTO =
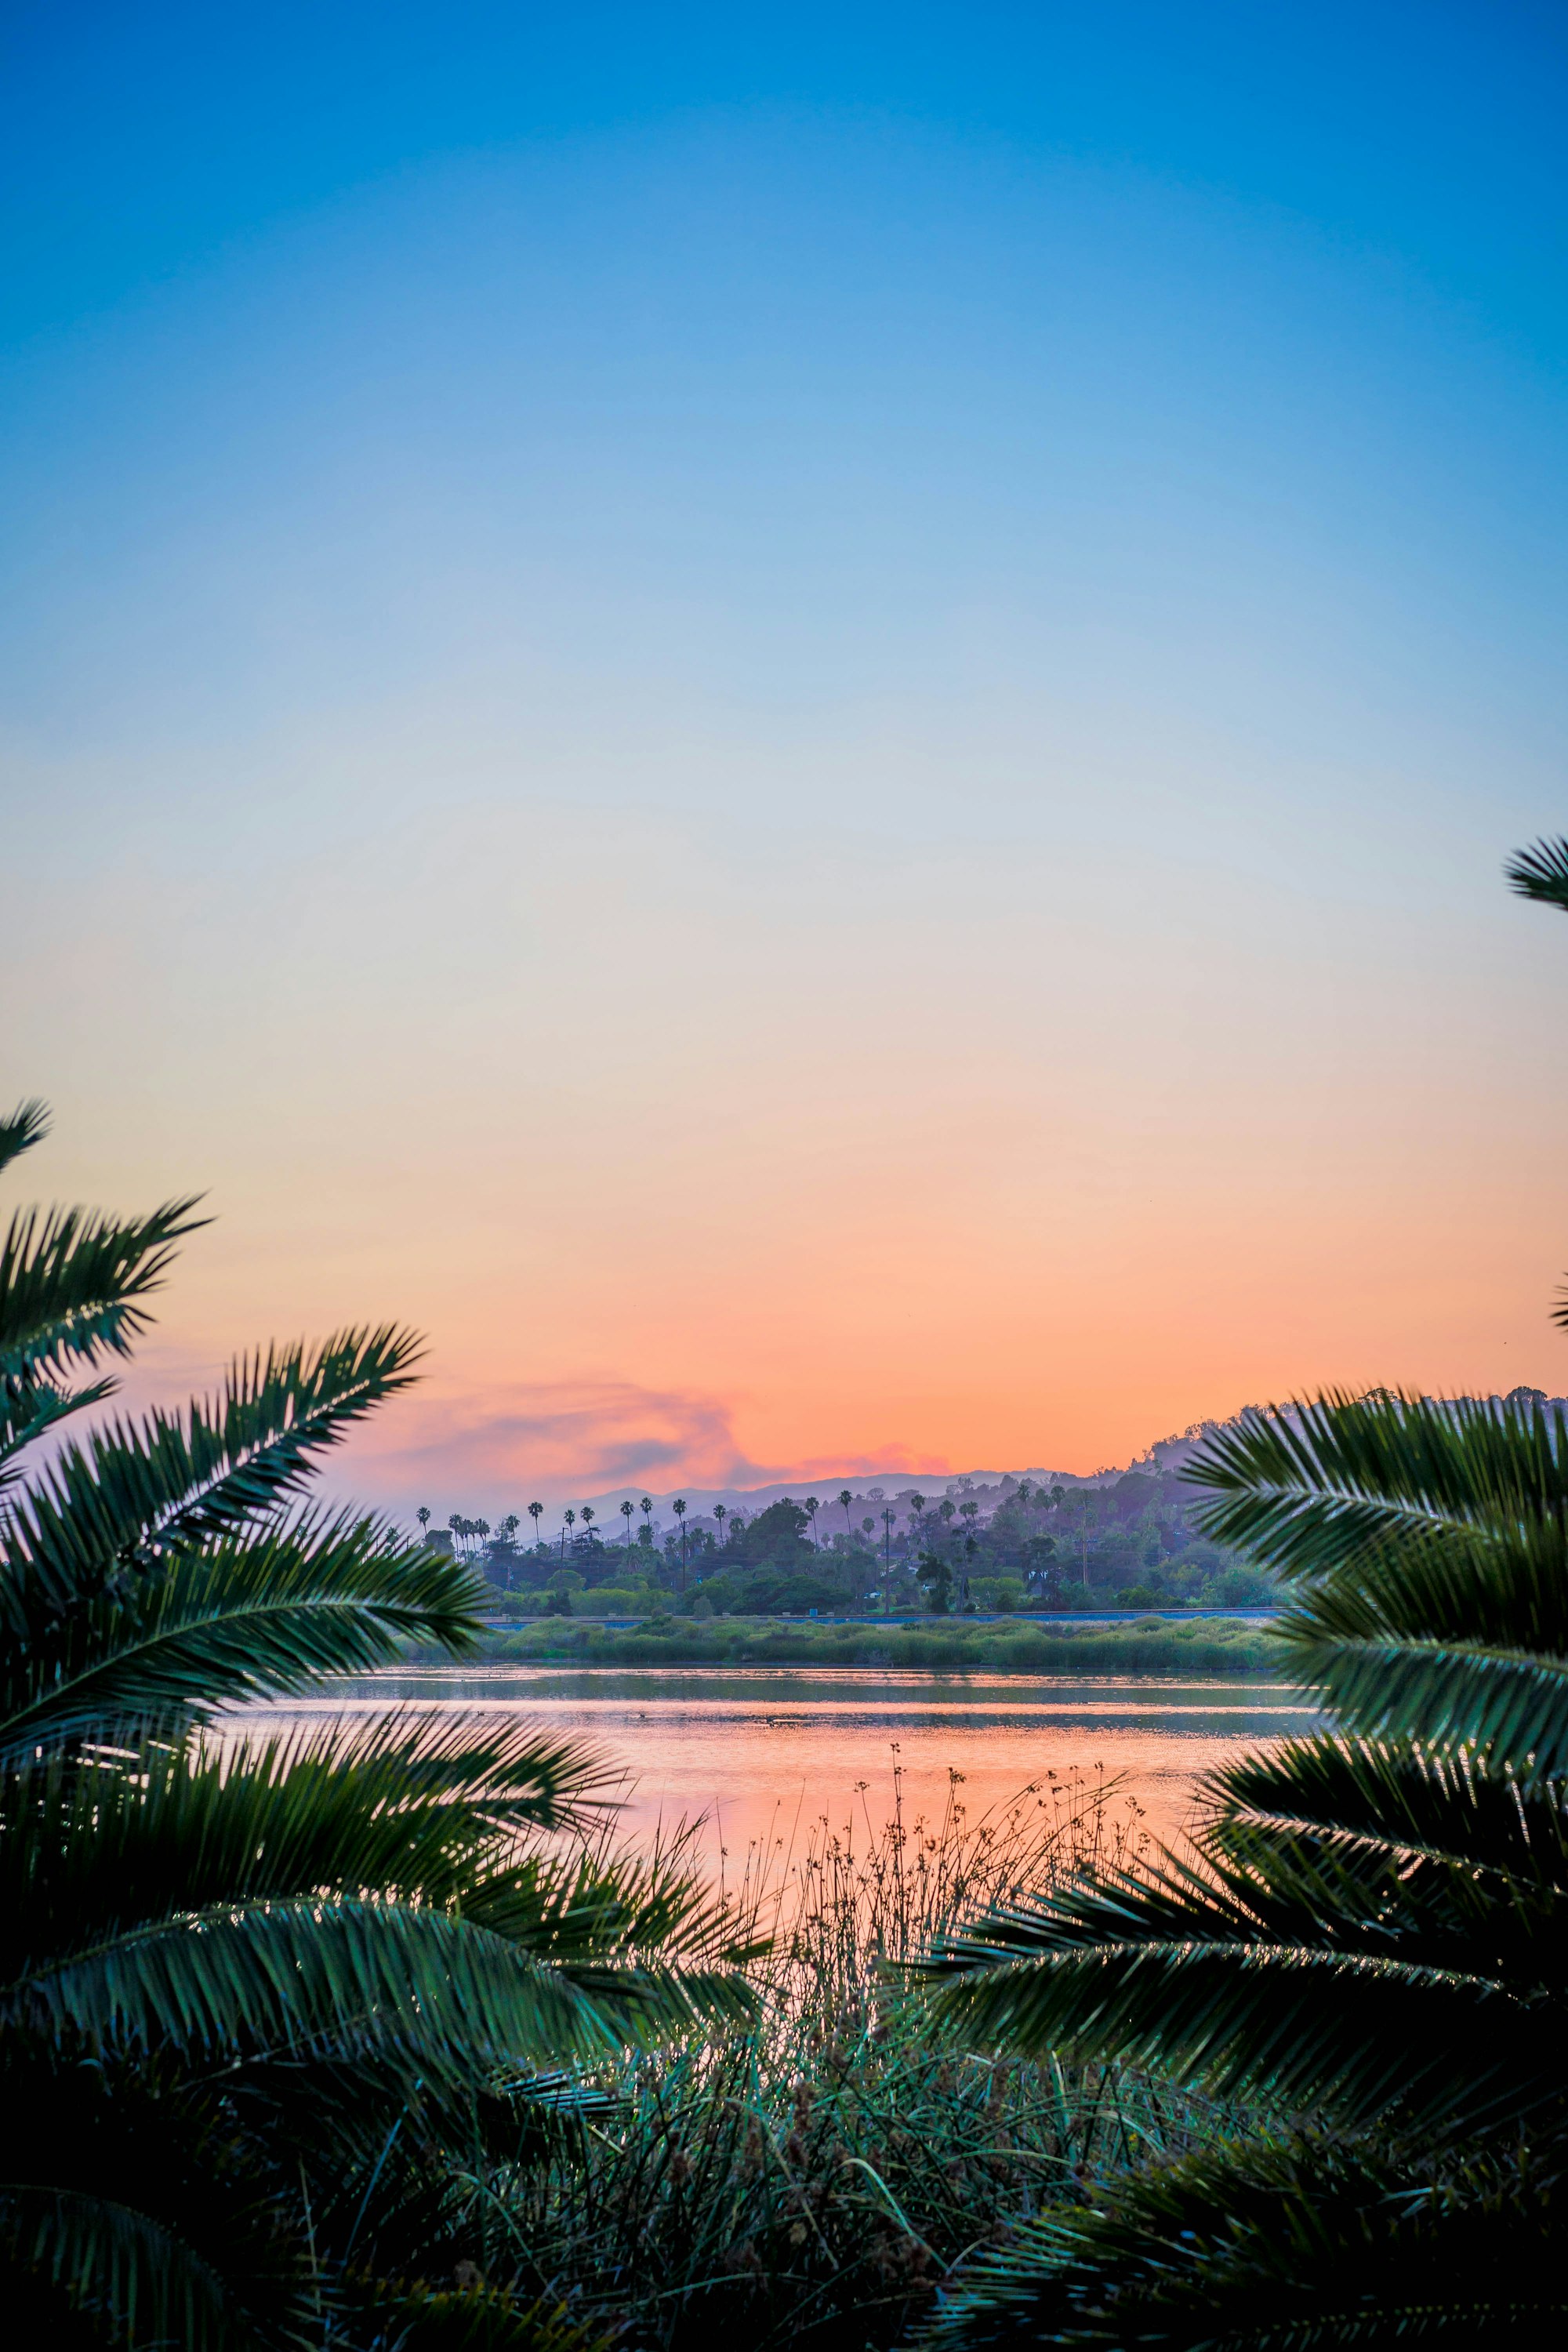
(800, 723)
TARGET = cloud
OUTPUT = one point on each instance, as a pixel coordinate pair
(556, 1441)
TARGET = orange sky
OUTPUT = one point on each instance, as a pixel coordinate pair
(933, 1160)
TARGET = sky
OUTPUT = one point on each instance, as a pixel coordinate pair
(799, 723)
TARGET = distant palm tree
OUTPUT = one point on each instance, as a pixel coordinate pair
(844, 1499)
(679, 1507)
(917, 1510)
(721, 1514)
(811, 1508)
(587, 1519)
(570, 1518)
(626, 1515)
(645, 1508)
(536, 1512)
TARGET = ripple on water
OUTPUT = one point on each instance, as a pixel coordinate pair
(762, 1750)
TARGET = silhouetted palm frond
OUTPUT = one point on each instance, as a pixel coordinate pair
(1540, 872)
(22, 1128)
(1291, 2246)
(265, 1614)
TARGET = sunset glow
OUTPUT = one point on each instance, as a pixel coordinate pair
(814, 759)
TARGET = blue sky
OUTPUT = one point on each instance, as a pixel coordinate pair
(567, 563)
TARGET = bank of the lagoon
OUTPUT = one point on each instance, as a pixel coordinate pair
(1011, 1645)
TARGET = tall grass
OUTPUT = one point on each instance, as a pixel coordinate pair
(813, 2179)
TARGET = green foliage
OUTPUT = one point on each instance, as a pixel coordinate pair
(1369, 1929)
(776, 1538)
(810, 2181)
(244, 1980)
(1298, 2246)
(1197, 1647)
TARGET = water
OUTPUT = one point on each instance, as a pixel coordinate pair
(764, 1752)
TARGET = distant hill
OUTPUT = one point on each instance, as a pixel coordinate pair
(875, 1490)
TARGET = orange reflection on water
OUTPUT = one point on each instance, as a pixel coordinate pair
(764, 1752)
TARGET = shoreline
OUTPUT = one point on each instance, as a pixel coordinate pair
(1211, 1645)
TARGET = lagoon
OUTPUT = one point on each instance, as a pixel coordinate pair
(764, 1753)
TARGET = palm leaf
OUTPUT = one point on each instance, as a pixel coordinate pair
(1408, 1808)
(28, 1409)
(26, 1125)
(71, 1283)
(423, 1808)
(137, 2274)
(1540, 872)
(139, 1491)
(1265, 1987)
(1294, 2246)
(1509, 1706)
(434, 1993)
(261, 1615)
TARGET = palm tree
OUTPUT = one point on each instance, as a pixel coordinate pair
(588, 1518)
(845, 1499)
(253, 1994)
(626, 1515)
(721, 1514)
(1368, 1931)
(568, 1521)
(811, 1508)
(536, 1512)
(679, 1507)
(423, 1516)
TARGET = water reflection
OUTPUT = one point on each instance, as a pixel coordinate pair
(764, 1750)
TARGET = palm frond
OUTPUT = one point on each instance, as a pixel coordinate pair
(127, 2199)
(1410, 1809)
(1411, 1496)
(422, 1809)
(1277, 2246)
(28, 1409)
(438, 1995)
(72, 1282)
(1540, 872)
(138, 1492)
(1509, 1706)
(444, 1996)
(135, 2274)
(1273, 1987)
(264, 1615)
(21, 1128)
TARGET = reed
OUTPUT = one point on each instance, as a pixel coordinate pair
(813, 2179)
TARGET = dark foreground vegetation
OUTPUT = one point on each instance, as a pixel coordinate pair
(369, 2038)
